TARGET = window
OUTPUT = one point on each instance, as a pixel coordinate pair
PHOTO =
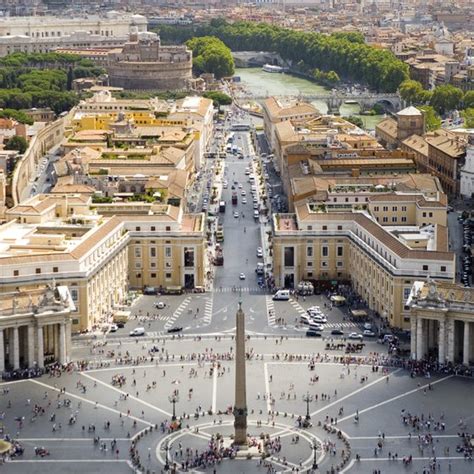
(339, 227)
(138, 252)
(289, 256)
(340, 251)
(406, 293)
(376, 208)
(137, 229)
(404, 219)
(168, 265)
(425, 268)
(55, 269)
(153, 228)
(16, 273)
(309, 251)
(385, 219)
(324, 251)
(138, 275)
(168, 252)
(152, 275)
(340, 264)
(325, 227)
(168, 276)
(324, 264)
(74, 294)
(443, 268)
(38, 271)
(394, 219)
(188, 257)
(310, 227)
(153, 252)
(424, 214)
(404, 209)
(385, 208)
(310, 274)
(138, 265)
(167, 228)
(394, 208)
(430, 214)
(309, 264)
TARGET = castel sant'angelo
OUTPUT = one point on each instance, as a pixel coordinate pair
(143, 63)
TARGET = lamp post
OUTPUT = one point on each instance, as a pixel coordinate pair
(173, 399)
(167, 463)
(315, 459)
(307, 399)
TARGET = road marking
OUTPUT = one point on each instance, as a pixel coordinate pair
(132, 397)
(297, 306)
(214, 391)
(177, 313)
(13, 381)
(267, 386)
(345, 397)
(208, 310)
(398, 437)
(390, 400)
(150, 366)
(90, 402)
(270, 310)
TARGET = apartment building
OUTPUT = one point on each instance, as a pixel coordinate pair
(63, 238)
(381, 263)
(275, 111)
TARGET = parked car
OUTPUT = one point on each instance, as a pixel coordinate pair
(313, 334)
(113, 328)
(137, 332)
(368, 333)
(355, 335)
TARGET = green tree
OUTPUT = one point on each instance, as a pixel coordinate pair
(468, 116)
(357, 121)
(17, 143)
(211, 55)
(412, 92)
(446, 98)
(432, 119)
(218, 98)
(468, 100)
(17, 115)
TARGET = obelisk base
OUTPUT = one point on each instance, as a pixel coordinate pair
(240, 434)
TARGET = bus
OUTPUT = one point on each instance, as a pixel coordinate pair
(222, 206)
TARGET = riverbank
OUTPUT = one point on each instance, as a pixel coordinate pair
(257, 83)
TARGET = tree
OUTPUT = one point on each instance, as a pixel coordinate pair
(411, 92)
(446, 98)
(218, 98)
(432, 119)
(468, 116)
(17, 143)
(468, 100)
(211, 55)
(357, 121)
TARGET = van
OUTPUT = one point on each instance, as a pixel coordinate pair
(138, 332)
(282, 295)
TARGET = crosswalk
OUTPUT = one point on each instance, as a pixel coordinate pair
(297, 307)
(154, 334)
(179, 310)
(340, 325)
(208, 311)
(270, 310)
(237, 289)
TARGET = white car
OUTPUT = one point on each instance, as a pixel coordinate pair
(160, 304)
(319, 318)
(255, 205)
(240, 186)
(354, 335)
(236, 214)
(315, 327)
(368, 333)
(243, 193)
(225, 184)
(113, 328)
(244, 200)
(259, 252)
(242, 276)
(304, 319)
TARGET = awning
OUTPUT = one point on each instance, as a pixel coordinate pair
(358, 313)
(338, 299)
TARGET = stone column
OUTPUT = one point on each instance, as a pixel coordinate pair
(15, 346)
(467, 344)
(2, 352)
(450, 340)
(31, 345)
(240, 407)
(442, 342)
(40, 348)
(413, 337)
(419, 338)
(62, 343)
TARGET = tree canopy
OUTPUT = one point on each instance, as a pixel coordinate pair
(446, 98)
(344, 53)
(17, 143)
(210, 54)
(432, 119)
(412, 92)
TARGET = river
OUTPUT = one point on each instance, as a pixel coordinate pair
(260, 83)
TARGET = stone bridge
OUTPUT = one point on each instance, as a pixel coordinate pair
(256, 58)
(335, 100)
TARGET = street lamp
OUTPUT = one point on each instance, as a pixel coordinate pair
(173, 399)
(315, 459)
(308, 399)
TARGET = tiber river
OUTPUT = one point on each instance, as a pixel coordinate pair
(260, 83)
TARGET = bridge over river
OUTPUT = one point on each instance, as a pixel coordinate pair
(336, 99)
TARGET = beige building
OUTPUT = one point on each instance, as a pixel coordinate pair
(275, 111)
(62, 237)
(442, 322)
(380, 262)
(35, 327)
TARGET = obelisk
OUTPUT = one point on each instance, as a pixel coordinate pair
(240, 406)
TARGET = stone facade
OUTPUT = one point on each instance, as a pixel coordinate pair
(145, 64)
(442, 318)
